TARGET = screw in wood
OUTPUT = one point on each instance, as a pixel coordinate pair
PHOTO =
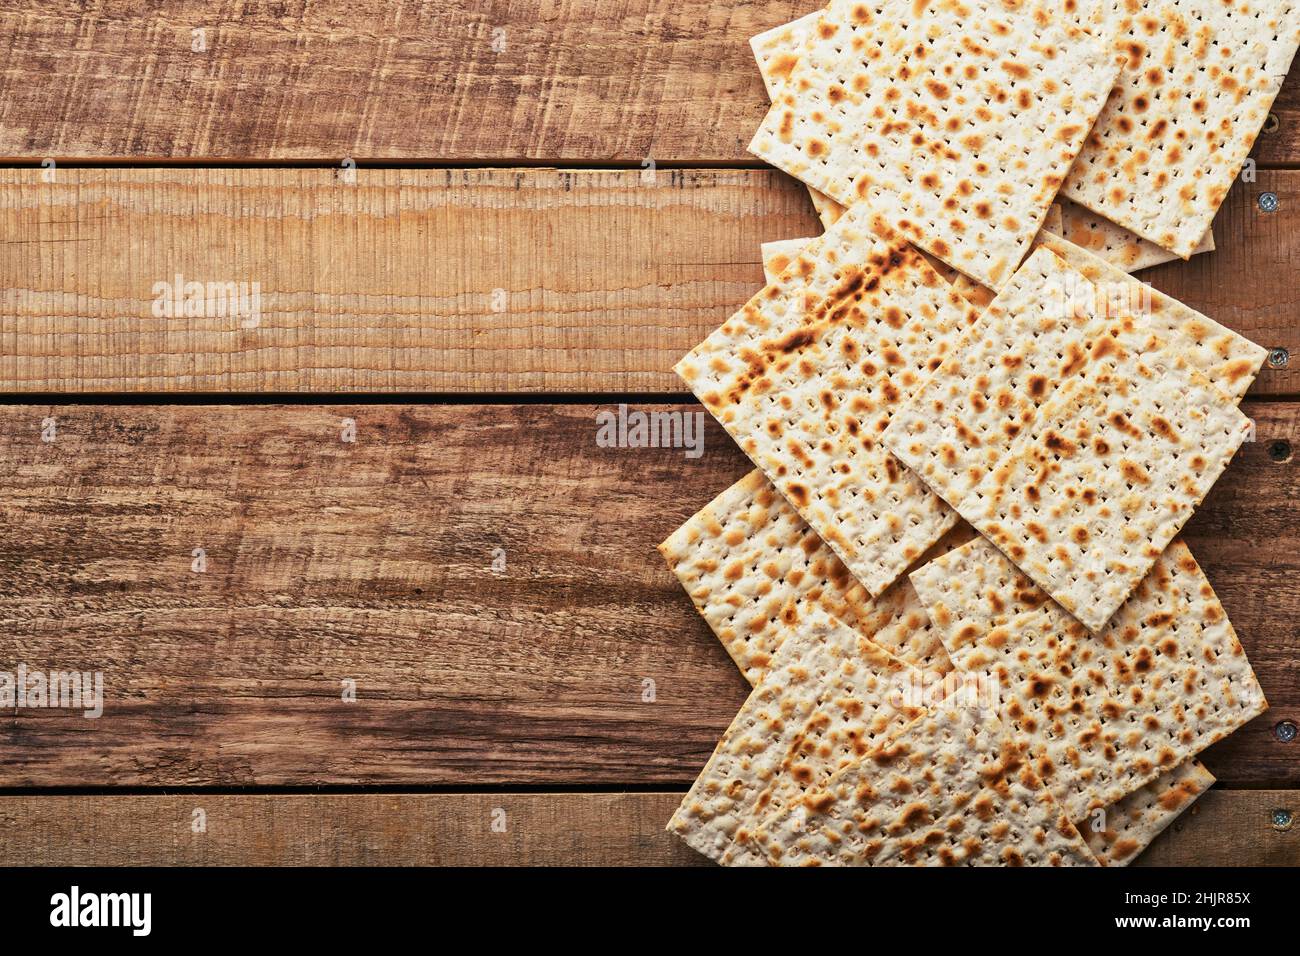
(1278, 357)
(1271, 123)
(1268, 202)
(1281, 820)
(1280, 450)
(1285, 731)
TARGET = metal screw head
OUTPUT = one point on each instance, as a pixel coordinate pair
(1285, 731)
(1278, 357)
(1281, 819)
(1268, 202)
(1280, 450)
(1271, 123)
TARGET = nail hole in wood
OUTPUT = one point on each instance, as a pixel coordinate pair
(1272, 123)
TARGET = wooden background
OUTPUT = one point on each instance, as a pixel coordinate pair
(474, 225)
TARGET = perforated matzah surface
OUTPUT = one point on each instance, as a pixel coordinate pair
(825, 699)
(1077, 441)
(1197, 84)
(1111, 243)
(806, 375)
(755, 569)
(957, 122)
(1133, 822)
(948, 789)
(1108, 713)
(1228, 359)
(777, 51)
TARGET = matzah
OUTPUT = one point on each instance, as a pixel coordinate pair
(777, 256)
(1198, 81)
(828, 695)
(1128, 826)
(949, 789)
(806, 375)
(1105, 714)
(957, 123)
(1112, 243)
(777, 51)
(754, 569)
(972, 590)
(1076, 440)
(1228, 359)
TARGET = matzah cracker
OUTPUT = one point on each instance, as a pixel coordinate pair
(1130, 824)
(1228, 359)
(1077, 442)
(1106, 714)
(778, 255)
(777, 51)
(957, 123)
(755, 569)
(806, 375)
(973, 589)
(828, 695)
(1112, 243)
(1199, 78)
(949, 789)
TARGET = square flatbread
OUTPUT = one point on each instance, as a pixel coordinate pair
(828, 695)
(957, 123)
(1197, 84)
(1114, 244)
(1105, 714)
(755, 569)
(1128, 826)
(949, 789)
(1075, 434)
(778, 51)
(807, 374)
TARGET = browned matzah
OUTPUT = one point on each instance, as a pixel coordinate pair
(806, 375)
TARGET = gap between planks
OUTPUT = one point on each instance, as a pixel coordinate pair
(1223, 828)
(372, 560)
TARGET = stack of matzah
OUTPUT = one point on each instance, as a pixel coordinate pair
(953, 579)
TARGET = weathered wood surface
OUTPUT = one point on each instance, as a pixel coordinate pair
(457, 280)
(372, 561)
(1223, 828)
(459, 80)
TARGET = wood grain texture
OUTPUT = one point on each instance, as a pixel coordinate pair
(408, 280)
(1223, 828)
(458, 280)
(372, 561)
(460, 80)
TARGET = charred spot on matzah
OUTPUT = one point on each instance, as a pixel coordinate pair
(807, 374)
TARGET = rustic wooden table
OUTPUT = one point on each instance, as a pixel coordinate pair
(472, 225)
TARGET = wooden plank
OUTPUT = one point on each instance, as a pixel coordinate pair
(461, 81)
(1223, 828)
(428, 280)
(456, 280)
(372, 561)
